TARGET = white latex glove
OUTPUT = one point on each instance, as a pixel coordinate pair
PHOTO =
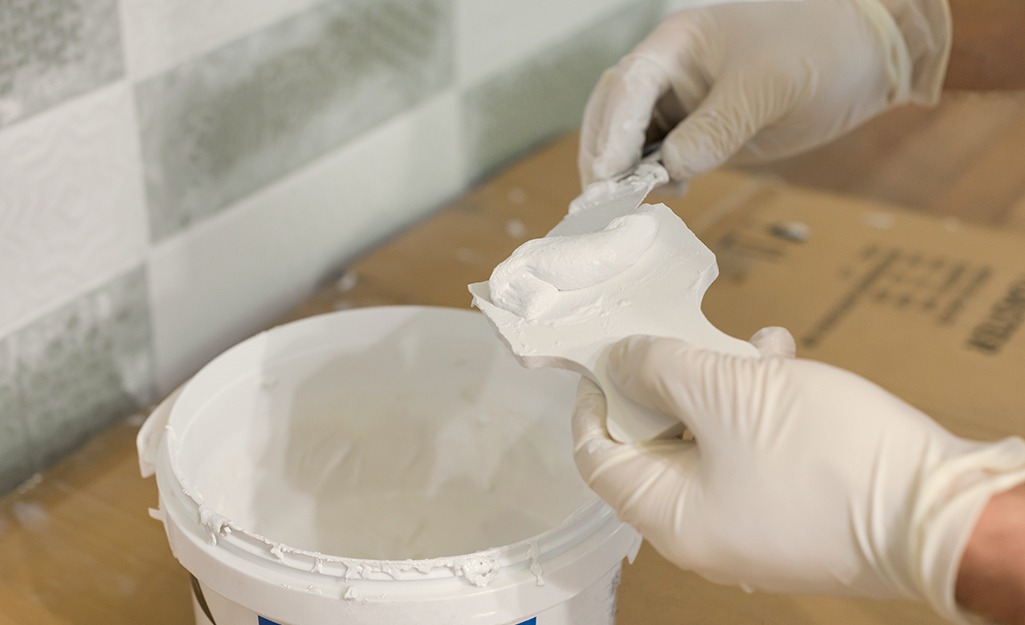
(762, 80)
(802, 478)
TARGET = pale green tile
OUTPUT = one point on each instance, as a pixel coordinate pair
(84, 366)
(53, 50)
(534, 101)
(240, 117)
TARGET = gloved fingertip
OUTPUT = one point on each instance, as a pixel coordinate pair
(589, 392)
(592, 442)
(713, 132)
(774, 342)
(607, 165)
(589, 411)
(585, 166)
(586, 178)
(684, 160)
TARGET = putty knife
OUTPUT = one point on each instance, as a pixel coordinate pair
(658, 295)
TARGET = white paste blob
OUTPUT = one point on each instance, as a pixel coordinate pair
(528, 282)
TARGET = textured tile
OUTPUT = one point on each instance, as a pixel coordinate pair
(239, 271)
(15, 461)
(545, 95)
(492, 34)
(159, 34)
(53, 50)
(84, 365)
(232, 121)
(72, 211)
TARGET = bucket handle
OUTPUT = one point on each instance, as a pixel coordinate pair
(147, 443)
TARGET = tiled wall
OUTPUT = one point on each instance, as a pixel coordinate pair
(174, 174)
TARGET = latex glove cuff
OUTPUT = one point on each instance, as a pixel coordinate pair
(946, 509)
(926, 29)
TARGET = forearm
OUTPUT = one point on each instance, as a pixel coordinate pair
(988, 49)
(991, 579)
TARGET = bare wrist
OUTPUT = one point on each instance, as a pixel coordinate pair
(991, 577)
(988, 46)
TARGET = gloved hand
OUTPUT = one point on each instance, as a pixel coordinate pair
(762, 80)
(801, 478)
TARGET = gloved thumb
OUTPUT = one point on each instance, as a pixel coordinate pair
(593, 447)
(621, 107)
(618, 472)
(673, 377)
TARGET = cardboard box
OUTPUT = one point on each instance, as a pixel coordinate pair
(928, 308)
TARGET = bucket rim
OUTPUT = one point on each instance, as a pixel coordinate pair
(189, 510)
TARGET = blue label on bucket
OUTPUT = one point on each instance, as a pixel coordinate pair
(267, 621)
(532, 621)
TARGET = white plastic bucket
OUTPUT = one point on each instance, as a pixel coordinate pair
(321, 472)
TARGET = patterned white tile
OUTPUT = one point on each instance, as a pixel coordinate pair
(159, 34)
(84, 365)
(532, 101)
(234, 120)
(53, 50)
(491, 34)
(71, 202)
(15, 456)
(230, 275)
